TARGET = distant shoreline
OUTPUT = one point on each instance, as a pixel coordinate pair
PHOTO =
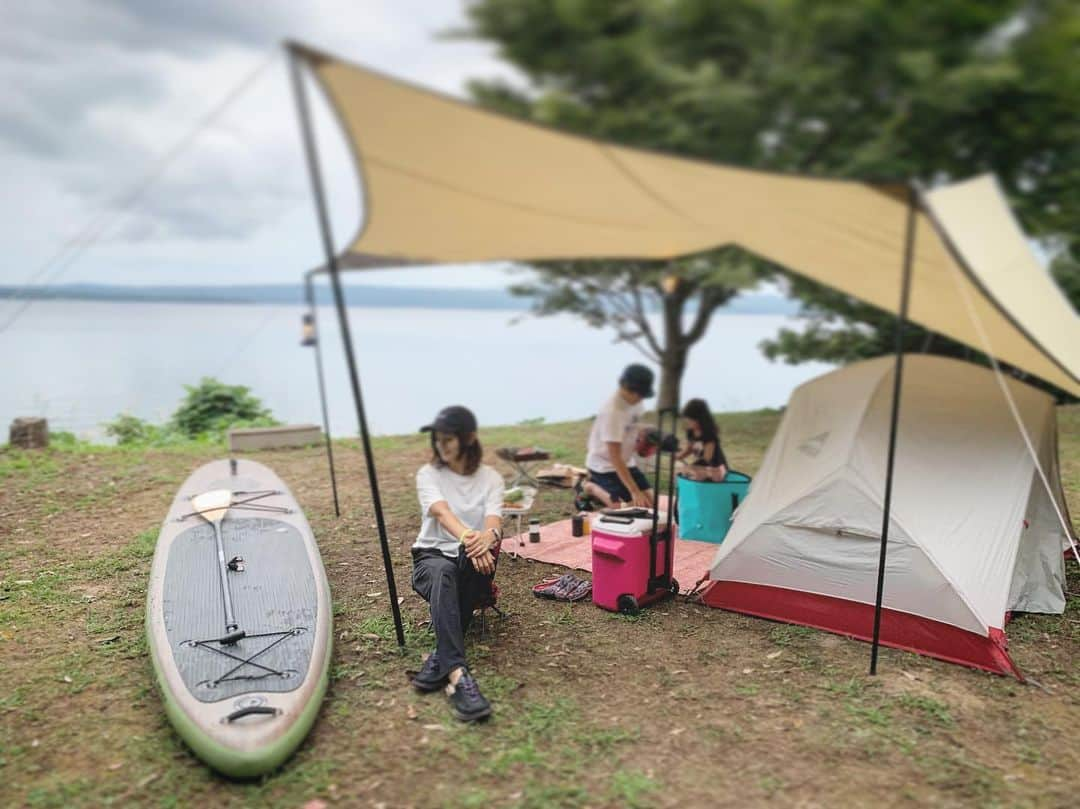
(355, 295)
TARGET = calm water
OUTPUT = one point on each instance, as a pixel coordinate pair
(81, 363)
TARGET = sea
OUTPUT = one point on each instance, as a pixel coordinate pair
(82, 363)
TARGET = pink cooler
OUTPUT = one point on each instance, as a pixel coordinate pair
(620, 563)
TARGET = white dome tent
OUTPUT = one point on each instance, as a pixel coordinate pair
(973, 533)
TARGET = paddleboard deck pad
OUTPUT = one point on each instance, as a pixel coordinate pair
(242, 699)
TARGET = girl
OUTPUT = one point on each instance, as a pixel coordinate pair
(704, 458)
(453, 560)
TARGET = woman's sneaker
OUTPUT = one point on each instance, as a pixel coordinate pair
(431, 676)
(466, 701)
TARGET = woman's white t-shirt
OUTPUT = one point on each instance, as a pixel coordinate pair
(471, 498)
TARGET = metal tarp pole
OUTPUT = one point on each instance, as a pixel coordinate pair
(343, 319)
(309, 290)
(905, 295)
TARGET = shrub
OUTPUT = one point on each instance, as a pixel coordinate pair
(128, 429)
(213, 407)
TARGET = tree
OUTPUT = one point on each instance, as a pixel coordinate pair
(1066, 271)
(843, 88)
(623, 295)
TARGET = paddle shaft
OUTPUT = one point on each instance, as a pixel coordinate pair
(223, 571)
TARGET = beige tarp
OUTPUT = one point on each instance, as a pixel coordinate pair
(447, 182)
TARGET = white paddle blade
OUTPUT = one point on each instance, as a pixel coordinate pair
(212, 505)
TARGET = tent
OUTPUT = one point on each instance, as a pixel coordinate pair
(974, 534)
(446, 182)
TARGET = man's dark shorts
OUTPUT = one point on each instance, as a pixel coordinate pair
(610, 483)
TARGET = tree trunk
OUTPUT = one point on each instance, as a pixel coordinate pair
(673, 358)
(29, 433)
(671, 370)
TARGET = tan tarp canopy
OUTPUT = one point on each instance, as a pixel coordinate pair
(447, 182)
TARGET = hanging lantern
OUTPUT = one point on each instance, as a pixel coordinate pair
(669, 283)
(307, 332)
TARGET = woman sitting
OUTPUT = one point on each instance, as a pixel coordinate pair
(702, 457)
(453, 563)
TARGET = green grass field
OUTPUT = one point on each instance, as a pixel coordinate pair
(682, 705)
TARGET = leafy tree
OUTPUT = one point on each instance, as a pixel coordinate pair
(843, 88)
(1066, 271)
(628, 295)
(843, 330)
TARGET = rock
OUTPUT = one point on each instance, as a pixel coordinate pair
(29, 433)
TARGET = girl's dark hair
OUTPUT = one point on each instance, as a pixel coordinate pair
(698, 410)
(473, 453)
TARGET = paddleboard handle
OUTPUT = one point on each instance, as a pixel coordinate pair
(232, 466)
(232, 637)
(252, 709)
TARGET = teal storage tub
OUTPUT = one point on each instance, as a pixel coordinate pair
(705, 508)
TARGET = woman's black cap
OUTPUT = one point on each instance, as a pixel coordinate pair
(453, 419)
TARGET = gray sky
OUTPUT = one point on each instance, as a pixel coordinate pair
(94, 92)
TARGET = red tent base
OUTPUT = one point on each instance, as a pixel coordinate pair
(899, 630)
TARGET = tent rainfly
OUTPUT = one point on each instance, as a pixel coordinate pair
(974, 535)
(444, 181)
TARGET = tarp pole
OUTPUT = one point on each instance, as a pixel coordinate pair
(343, 320)
(310, 293)
(905, 295)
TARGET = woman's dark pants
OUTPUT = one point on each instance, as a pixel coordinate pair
(452, 588)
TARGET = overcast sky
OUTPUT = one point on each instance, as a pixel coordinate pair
(94, 93)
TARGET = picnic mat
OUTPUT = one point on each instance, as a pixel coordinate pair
(558, 546)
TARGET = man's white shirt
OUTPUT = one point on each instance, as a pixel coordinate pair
(616, 422)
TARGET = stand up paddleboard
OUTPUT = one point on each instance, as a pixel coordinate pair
(238, 618)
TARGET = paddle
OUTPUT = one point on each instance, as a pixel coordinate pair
(211, 506)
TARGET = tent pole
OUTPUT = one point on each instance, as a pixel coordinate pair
(343, 319)
(310, 293)
(905, 295)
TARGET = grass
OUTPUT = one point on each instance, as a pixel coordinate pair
(679, 705)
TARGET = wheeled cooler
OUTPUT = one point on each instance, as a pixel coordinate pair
(629, 569)
(632, 554)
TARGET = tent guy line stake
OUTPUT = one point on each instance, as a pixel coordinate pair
(315, 176)
(905, 297)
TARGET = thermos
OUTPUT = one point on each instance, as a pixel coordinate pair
(577, 525)
(534, 530)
